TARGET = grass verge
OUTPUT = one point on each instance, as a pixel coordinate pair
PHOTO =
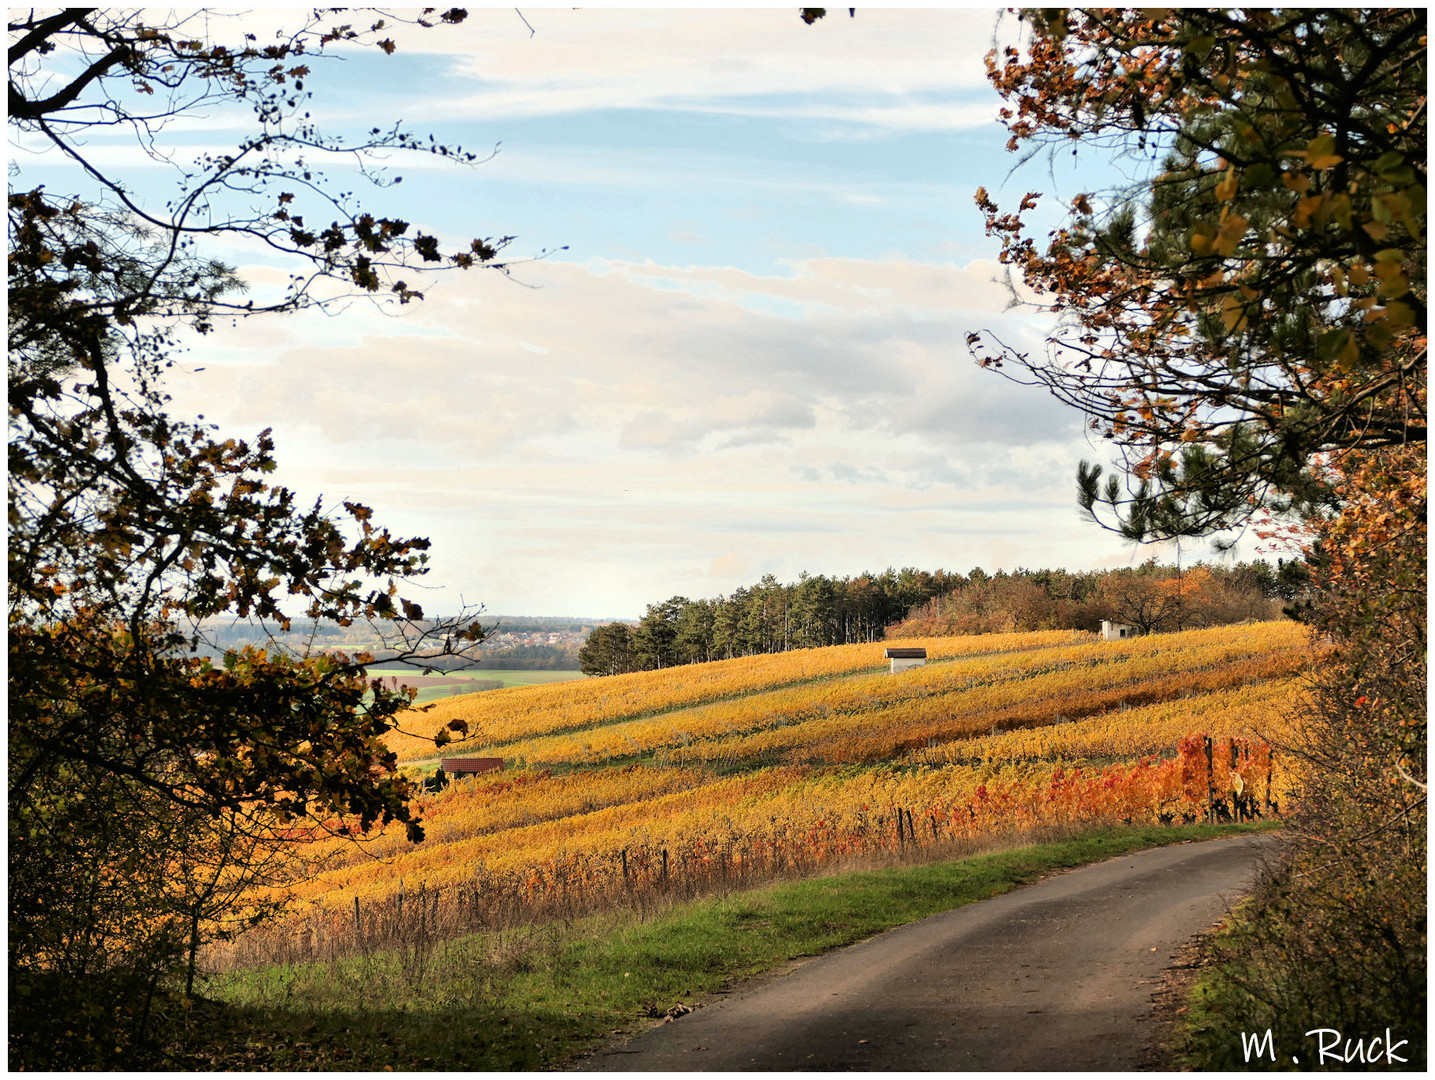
(534, 999)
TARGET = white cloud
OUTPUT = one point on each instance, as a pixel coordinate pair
(727, 60)
(627, 429)
(636, 355)
(602, 434)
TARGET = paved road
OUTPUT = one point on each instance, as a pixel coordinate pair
(1057, 975)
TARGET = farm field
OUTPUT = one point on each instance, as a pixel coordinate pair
(517, 677)
(622, 790)
(510, 716)
(440, 685)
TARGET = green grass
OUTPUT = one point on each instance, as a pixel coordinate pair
(1204, 1037)
(536, 998)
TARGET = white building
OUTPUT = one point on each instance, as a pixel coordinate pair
(903, 659)
(1115, 631)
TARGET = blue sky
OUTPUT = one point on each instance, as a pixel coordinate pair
(743, 351)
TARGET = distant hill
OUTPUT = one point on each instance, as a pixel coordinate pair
(515, 642)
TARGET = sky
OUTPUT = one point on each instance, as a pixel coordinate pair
(746, 260)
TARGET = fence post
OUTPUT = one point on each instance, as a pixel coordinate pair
(1210, 784)
(358, 922)
(1238, 803)
(1270, 768)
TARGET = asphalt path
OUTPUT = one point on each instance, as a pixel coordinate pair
(1056, 975)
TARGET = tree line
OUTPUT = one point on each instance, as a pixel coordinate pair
(817, 611)
(766, 617)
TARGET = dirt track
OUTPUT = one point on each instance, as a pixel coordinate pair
(1058, 975)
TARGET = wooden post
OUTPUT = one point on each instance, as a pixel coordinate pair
(358, 922)
(1237, 801)
(911, 832)
(1210, 784)
(665, 864)
(1270, 767)
(901, 840)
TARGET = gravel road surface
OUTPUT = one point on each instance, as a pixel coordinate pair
(1057, 975)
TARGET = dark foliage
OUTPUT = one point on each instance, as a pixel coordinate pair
(151, 786)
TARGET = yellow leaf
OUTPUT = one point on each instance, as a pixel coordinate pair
(1399, 314)
(1305, 208)
(1232, 230)
(1393, 282)
(1226, 189)
(1320, 152)
(1398, 205)
(1337, 207)
(1233, 313)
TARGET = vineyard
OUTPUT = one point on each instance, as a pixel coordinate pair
(629, 789)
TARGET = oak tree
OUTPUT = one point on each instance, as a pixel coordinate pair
(1257, 301)
(149, 785)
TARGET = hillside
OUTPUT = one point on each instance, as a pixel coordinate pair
(738, 771)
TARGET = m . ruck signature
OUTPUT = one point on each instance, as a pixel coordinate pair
(1332, 1048)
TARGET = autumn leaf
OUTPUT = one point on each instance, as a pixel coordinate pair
(1233, 313)
(1320, 152)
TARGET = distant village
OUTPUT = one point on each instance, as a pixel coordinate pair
(525, 642)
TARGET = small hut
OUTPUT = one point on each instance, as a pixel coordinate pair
(1115, 631)
(902, 659)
